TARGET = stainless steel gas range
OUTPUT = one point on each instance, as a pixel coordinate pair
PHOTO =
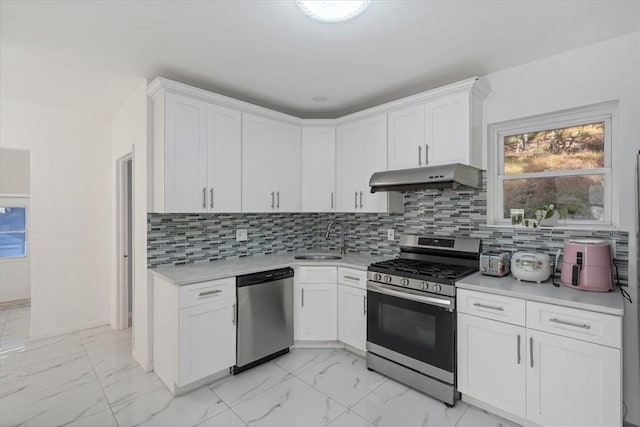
(411, 321)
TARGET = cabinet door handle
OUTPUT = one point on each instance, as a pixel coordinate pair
(302, 298)
(490, 307)
(531, 351)
(519, 356)
(364, 305)
(332, 200)
(419, 155)
(204, 197)
(361, 200)
(209, 293)
(565, 322)
(273, 203)
(233, 319)
(356, 200)
(211, 198)
(357, 279)
(426, 154)
(278, 199)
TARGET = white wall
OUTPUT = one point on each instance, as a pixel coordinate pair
(129, 135)
(70, 212)
(600, 72)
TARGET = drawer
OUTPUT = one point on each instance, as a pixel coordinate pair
(491, 306)
(352, 277)
(206, 292)
(317, 275)
(584, 325)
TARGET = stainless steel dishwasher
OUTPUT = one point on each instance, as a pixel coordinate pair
(265, 317)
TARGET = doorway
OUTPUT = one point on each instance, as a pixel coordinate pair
(124, 253)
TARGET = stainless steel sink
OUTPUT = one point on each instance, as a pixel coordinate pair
(318, 257)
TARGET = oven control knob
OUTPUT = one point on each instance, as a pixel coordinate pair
(405, 282)
(436, 288)
(387, 279)
(377, 277)
(425, 286)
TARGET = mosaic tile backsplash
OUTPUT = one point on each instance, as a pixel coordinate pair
(175, 239)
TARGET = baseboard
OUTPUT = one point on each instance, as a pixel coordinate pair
(628, 424)
(318, 344)
(147, 365)
(495, 411)
(62, 331)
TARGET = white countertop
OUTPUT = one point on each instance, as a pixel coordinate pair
(603, 302)
(231, 267)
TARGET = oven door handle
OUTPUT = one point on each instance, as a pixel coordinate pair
(386, 290)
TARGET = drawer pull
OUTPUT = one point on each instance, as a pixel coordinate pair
(357, 279)
(564, 322)
(519, 356)
(490, 307)
(204, 294)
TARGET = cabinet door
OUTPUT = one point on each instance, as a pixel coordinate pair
(349, 168)
(260, 152)
(374, 155)
(224, 164)
(571, 382)
(288, 168)
(207, 340)
(318, 169)
(447, 125)
(406, 147)
(185, 154)
(352, 316)
(491, 362)
(318, 312)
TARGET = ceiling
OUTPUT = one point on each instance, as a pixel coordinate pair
(269, 53)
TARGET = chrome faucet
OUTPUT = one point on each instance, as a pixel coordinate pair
(343, 247)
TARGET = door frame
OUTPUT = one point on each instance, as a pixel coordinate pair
(122, 226)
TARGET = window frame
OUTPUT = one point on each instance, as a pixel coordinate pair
(18, 202)
(603, 112)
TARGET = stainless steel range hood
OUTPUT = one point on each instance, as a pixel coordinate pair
(453, 176)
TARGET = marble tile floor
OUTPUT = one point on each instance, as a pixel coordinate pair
(89, 379)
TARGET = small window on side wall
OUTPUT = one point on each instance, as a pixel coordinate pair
(13, 231)
(561, 159)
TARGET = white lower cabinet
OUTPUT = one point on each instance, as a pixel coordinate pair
(194, 331)
(207, 340)
(352, 316)
(548, 378)
(317, 313)
(571, 382)
(491, 362)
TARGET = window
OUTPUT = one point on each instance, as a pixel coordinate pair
(561, 159)
(13, 231)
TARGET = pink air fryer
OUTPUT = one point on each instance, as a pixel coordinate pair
(586, 265)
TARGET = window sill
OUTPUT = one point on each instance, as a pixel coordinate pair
(568, 227)
(14, 259)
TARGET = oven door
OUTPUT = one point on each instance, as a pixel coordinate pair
(413, 329)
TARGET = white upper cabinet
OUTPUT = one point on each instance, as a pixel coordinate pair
(406, 138)
(197, 150)
(318, 168)
(361, 150)
(442, 126)
(271, 173)
(224, 150)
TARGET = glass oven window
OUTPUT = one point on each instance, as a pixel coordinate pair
(418, 330)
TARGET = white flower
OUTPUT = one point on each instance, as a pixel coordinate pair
(550, 207)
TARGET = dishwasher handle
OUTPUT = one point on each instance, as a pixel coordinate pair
(264, 277)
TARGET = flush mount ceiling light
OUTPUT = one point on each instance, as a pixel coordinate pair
(332, 11)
